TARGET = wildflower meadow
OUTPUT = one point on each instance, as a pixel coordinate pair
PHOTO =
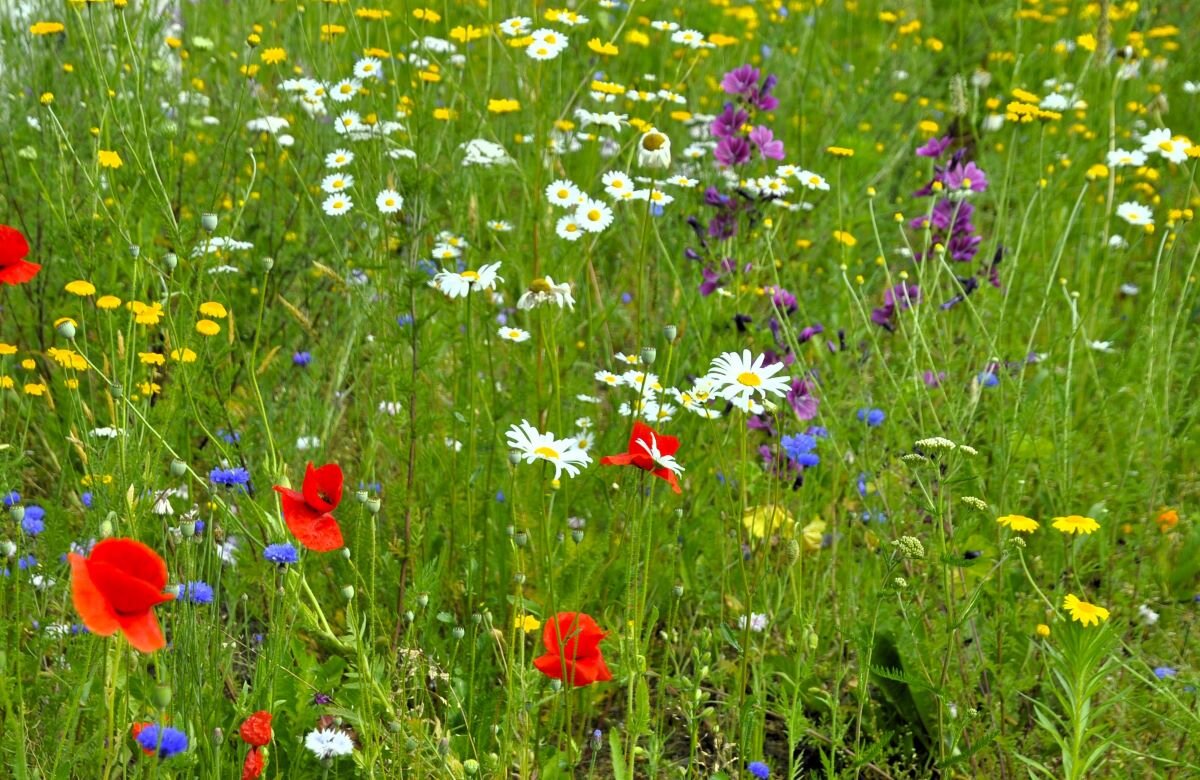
(716, 389)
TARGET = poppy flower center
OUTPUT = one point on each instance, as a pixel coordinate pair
(749, 379)
(547, 452)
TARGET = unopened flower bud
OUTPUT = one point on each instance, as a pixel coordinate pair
(66, 329)
(218, 736)
(409, 616)
(577, 536)
(178, 468)
(520, 538)
(791, 552)
(458, 632)
(373, 505)
(346, 553)
(188, 528)
(170, 261)
(648, 355)
(348, 592)
(361, 496)
(208, 221)
(422, 600)
(135, 251)
(106, 529)
(476, 618)
(670, 332)
(910, 547)
(115, 390)
(471, 767)
(514, 458)
(16, 512)
(678, 590)
(161, 696)
(267, 264)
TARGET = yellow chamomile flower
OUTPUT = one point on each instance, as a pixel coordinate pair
(1083, 612)
(81, 288)
(1019, 523)
(109, 159)
(1075, 524)
(207, 328)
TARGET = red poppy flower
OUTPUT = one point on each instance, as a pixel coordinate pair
(307, 512)
(650, 451)
(252, 769)
(256, 729)
(572, 642)
(116, 588)
(14, 269)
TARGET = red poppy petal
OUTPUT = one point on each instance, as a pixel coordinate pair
(252, 769)
(134, 558)
(18, 272)
(669, 476)
(91, 605)
(589, 670)
(142, 631)
(316, 531)
(552, 665)
(624, 459)
(13, 246)
(323, 486)
(667, 445)
(126, 595)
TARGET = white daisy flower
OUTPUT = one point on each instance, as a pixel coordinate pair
(368, 68)
(690, 38)
(1160, 140)
(533, 445)
(348, 122)
(683, 181)
(389, 202)
(1135, 213)
(515, 335)
(1121, 158)
(607, 378)
(500, 225)
(344, 90)
(568, 228)
(617, 184)
(458, 285)
(655, 196)
(739, 377)
(516, 26)
(544, 290)
(593, 216)
(606, 119)
(664, 26)
(336, 182)
(337, 205)
(814, 181)
(654, 149)
(563, 193)
(328, 743)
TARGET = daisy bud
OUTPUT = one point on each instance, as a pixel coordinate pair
(135, 251)
(16, 512)
(373, 506)
(458, 632)
(648, 355)
(208, 221)
(422, 600)
(670, 332)
(348, 592)
(66, 329)
(161, 697)
(178, 468)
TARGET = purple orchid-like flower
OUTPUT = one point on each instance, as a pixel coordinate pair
(728, 122)
(732, 151)
(934, 147)
(740, 80)
(768, 145)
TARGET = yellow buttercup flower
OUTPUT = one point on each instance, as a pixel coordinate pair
(528, 623)
(1019, 523)
(7, 349)
(1083, 612)
(1075, 524)
(273, 55)
(81, 288)
(109, 159)
(214, 310)
(108, 302)
(762, 521)
(1043, 630)
(184, 355)
(46, 28)
(207, 328)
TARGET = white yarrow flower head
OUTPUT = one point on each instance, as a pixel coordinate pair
(458, 285)
(654, 149)
(328, 743)
(530, 445)
(740, 377)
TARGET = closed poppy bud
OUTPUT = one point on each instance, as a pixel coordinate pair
(267, 264)
(161, 697)
(670, 333)
(648, 355)
(16, 512)
(178, 468)
(170, 260)
(348, 592)
(361, 496)
(135, 251)
(457, 632)
(66, 329)
(208, 221)
(373, 505)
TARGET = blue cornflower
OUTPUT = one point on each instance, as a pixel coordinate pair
(428, 266)
(88, 499)
(820, 431)
(500, 496)
(987, 379)
(197, 592)
(872, 417)
(800, 449)
(759, 770)
(864, 485)
(172, 741)
(229, 437)
(235, 477)
(404, 320)
(26, 562)
(200, 527)
(32, 523)
(11, 498)
(626, 297)
(1163, 672)
(301, 359)
(281, 554)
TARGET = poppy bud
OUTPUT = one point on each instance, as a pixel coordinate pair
(218, 736)
(348, 592)
(577, 536)
(16, 512)
(373, 505)
(66, 329)
(135, 251)
(670, 332)
(170, 261)
(458, 632)
(471, 767)
(520, 538)
(514, 458)
(791, 553)
(346, 553)
(208, 221)
(178, 468)
(161, 696)
(267, 264)
(106, 529)
(678, 590)
(361, 496)
(648, 355)
(422, 600)
(115, 390)
(188, 528)
(476, 618)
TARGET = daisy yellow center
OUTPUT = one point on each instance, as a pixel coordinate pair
(618, 183)
(749, 379)
(472, 275)
(563, 194)
(652, 142)
(572, 228)
(594, 215)
(389, 202)
(546, 452)
(1165, 145)
(539, 286)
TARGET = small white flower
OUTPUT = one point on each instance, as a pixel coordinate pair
(328, 743)
(1120, 158)
(593, 216)
(339, 158)
(515, 335)
(336, 182)
(1135, 213)
(654, 149)
(1149, 616)
(389, 202)
(758, 622)
(368, 68)
(1160, 140)
(337, 205)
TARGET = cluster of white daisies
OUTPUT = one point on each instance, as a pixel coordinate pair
(1160, 141)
